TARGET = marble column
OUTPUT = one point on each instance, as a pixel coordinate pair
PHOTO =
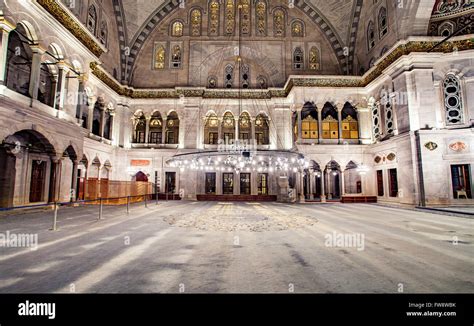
(298, 115)
(339, 119)
(102, 122)
(163, 133)
(147, 129)
(75, 164)
(35, 74)
(343, 184)
(320, 125)
(5, 30)
(90, 117)
(61, 92)
(236, 133)
(311, 185)
(323, 187)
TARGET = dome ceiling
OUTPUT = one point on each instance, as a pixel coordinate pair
(337, 13)
(337, 19)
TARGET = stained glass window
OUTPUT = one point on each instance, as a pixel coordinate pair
(278, 22)
(196, 20)
(261, 18)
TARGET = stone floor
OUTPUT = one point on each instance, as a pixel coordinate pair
(210, 247)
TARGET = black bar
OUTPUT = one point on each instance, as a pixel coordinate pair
(369, 307)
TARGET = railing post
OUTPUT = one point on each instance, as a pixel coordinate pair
(55, 216)
(100, 208)
(128, 204)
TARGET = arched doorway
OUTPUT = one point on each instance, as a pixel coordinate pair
(27, 172)
(333, 180)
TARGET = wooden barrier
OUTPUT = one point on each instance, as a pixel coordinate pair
(358, 199)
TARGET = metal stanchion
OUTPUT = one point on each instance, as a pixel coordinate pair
(146, 200)
(128, 204)
(100, 208)
(55, 218)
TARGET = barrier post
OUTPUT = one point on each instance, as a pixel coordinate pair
(100, 208)
(55, 216)
(146, 200)
(128, 204)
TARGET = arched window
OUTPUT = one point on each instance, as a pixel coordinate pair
(245, 76)
(244, 17)
(309, 122)
(18, 62)
(196, 22)
(298, 58)
(245, 127)
(177, 29)
(97, 119)
(159, 58)
(383, 22)
(262, 130)
(172, 128)
(314, 59)
(453, 100)
(330, 123)
(350, 124)
(297, 29)
(370, 35)
(228, 127)
(279, 22)
(374, 108)
(139, 128)
(92, 19)
(103, 33)
(214, 10)
(229, 17)
(389, 118)
(211, 130)
(229, 75)
(261, 18)
(156, 129)
(176, 56)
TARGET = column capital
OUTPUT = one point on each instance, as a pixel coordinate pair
(37, 49)
(6, 25)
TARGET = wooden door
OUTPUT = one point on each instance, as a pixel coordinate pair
(38, 173)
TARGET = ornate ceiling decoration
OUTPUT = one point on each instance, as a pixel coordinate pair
(338, 20)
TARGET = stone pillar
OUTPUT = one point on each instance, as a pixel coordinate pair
(253, 139)
(320, 125)
(236, 133)
(80, 99)
(35, 74)
(311, 185)
(323, 187)
(91, 105)
(301, 187)
(329, 176)
(112, 125)
(75, 164)
(339, 119)
(343, 184)
(163, 132)
(102, 122)
(5, 29)
(61, 94)
(147, 129)
(219, 130)
(55, 179)
(54, 87)
(298, 115)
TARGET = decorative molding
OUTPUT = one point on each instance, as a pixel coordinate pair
(72, 26)
(319, 81)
